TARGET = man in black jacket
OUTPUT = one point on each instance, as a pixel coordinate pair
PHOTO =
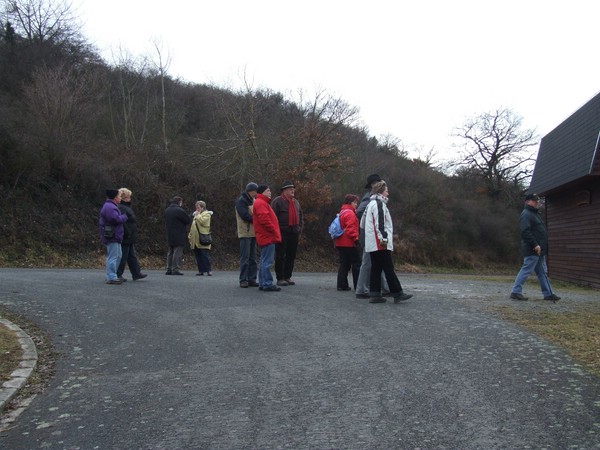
(177, 221)
(534, 245)
(129, 256)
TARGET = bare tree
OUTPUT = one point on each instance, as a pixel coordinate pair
(41, 20)
(162, 63)
(497, 149)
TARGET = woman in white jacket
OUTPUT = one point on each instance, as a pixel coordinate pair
(379, 243)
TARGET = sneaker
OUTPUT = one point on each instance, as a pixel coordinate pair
(140, 276)
(552, 297)
(271, 288)
(252, 284)
(117, 281)
(282, 283)
(290, 282)
(123, 279)
(363, 296)
(377, 300)
(401, 297)
(244, 284)
(518, 297)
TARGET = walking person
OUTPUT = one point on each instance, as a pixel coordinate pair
(268, 235)
(110, 224)
(244, 209)
(348, 243)
(291, 221)
(379, 243)
(201, 227)
(534, 245)
(364, 276)
(129, 255)
(176, 221)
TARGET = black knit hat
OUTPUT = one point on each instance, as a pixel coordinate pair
(372, 179)
(262, 188)
(251, 187)
(532, 197)
(111, 193)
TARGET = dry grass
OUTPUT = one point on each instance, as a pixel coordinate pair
(10, 352)
(576, 331)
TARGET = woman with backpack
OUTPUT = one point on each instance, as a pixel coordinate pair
(347, 244)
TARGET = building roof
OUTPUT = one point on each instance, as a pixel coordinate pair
(570, 151)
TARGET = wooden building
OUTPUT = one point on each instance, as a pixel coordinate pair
(567, 174)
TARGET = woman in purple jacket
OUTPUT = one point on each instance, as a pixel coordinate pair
(111, 228)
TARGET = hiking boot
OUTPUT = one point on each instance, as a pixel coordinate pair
(518, 297)
(169, 272)
(140, 276)
(347, 288)
(401, 297)
(176, 272)
(290, 282)
(282, 283)
(252, 284)
(366, 296)
(117, 281)
(271, 288)
(377, 300)
(244, 284)
(552, 297)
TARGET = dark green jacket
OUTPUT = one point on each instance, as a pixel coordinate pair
(533, 231)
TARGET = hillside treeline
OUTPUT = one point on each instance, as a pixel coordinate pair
(73, 125)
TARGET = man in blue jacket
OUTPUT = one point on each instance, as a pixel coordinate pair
(534, 245)
(111, 228)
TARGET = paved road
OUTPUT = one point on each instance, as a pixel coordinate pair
(196, 362)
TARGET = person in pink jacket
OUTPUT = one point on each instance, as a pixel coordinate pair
(266, 230)
(347, 244)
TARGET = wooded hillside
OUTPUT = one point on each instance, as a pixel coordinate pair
(73, 125)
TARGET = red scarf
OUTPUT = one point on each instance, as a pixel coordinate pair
(292, 213)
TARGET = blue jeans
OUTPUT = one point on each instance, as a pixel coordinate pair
(248, 266)
(113, 257)
(537, 264)
(267, 257)
(203, 260)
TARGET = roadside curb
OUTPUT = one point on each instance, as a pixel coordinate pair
(19, 377)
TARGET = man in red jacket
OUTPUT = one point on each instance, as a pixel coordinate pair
(266, 229)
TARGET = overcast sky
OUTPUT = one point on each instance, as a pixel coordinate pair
(416, 69)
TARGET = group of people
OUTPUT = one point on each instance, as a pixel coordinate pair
(118, 232)
(274, 225)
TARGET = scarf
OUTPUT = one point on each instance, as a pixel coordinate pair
(292, 213)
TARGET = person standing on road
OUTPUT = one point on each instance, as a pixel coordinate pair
(177, 221)
(364, 275)
(201, 225)
(129, 256)
(268, 235)
(291, 221)
(348, 243)
(534, 245)
(379, 243)
(244, 207)
(110, 224)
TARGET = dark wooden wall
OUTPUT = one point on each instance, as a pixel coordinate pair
(574, 233)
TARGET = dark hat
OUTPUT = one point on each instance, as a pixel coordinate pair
(111, 193)
(287, 184)
(262, 188)
(251, 187)
(532, 197)
(372, 179)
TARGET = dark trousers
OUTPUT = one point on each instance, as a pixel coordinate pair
(349, 259)
(381, 261)
(129, 258)
(202, 260)
(285, 255)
